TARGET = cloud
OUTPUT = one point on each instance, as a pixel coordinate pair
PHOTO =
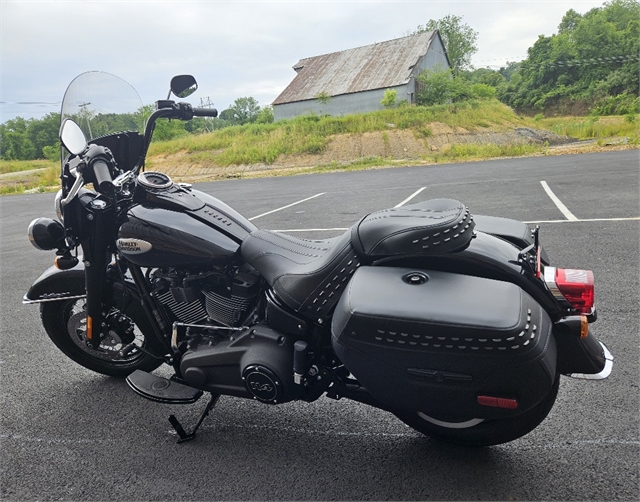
(234, 49)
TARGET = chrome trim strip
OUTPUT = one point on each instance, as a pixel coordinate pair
(606, 371)
(451, 425)
(27, 301)
(549, 276)
(550, 281)
(144, 182)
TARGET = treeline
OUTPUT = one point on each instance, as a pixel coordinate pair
(22, 139)
(29, 139)
(590, 66)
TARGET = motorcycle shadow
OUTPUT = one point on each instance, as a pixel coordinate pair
(303, 451)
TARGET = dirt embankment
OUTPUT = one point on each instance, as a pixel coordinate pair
(390, 147)
(393, 145)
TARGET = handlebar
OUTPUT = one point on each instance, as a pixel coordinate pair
(205, 112)
(103, 176)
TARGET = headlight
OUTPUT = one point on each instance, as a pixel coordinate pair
(46, 234)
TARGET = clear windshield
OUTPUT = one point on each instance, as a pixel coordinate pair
(103, 104)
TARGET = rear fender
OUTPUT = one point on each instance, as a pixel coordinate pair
(55, 285)
(514, 231)
(580, 355)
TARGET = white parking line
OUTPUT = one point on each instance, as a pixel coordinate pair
(563, 209)
(633, 218)
(289, 230)
(285, 207)
(410, 197)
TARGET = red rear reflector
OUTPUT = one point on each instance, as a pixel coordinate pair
(498, 402)
(577, 286)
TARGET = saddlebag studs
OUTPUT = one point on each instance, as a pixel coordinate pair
(484, 343)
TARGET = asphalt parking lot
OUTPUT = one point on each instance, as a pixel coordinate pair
(68, 433)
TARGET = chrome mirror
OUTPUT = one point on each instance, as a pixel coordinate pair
(72, 137)
(183, 85)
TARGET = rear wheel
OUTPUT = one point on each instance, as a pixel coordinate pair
(478, 432)
(65, 322)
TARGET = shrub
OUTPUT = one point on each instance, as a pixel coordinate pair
(483, 91)
(389, 99)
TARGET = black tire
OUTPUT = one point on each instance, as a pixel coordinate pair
(483, 433)
(65, 323)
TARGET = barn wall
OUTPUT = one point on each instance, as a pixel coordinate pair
(345, 104)
(365, 101)
(434, 59)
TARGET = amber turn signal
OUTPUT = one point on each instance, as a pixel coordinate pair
(89, 327)
(584, 326)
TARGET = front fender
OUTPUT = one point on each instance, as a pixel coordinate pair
(54, 285)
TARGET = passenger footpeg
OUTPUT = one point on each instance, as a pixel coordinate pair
(162, 390)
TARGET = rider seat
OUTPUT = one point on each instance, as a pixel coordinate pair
(310, 275)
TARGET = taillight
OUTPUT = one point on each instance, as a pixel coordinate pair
(577, 287)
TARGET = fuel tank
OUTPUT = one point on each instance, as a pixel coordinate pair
(180, 227)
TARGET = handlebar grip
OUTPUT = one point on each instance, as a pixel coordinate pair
(205, 112)
(103, 176)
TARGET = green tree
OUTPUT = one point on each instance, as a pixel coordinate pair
(569, 22)
(44, 132)
(166, 129)
(227, 115)
(440, 86)
(265, 116)
(509, 69)
(485, 76)
(14, 140)
(459, 39)
(592, 58)
(244, 110)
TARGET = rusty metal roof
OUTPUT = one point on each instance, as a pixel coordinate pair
(377, 66)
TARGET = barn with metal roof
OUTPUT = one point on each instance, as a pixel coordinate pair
(354, 81)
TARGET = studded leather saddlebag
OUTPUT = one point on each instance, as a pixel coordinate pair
(448, 345)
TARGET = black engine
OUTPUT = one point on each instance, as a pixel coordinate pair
(257, 363)
(220, 296)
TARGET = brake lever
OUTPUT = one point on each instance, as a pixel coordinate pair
(77, 185)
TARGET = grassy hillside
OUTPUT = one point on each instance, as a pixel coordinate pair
(471, 130)
(311, 134)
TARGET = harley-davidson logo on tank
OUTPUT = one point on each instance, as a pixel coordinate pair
(133, 246)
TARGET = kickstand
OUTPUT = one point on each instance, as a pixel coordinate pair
(188, 437)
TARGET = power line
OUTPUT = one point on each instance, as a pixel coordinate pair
(585, 62)
(570, 62)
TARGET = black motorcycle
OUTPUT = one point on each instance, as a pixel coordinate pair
(457, 324)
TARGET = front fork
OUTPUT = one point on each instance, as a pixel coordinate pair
(96, 253)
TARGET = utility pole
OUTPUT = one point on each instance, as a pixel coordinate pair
(86, 113)
(207, 103)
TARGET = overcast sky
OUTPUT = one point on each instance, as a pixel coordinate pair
(234, 49)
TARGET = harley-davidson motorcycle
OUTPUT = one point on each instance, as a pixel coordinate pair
(456, 323)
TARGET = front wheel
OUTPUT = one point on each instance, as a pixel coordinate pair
(478, 432)
(65, 322)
